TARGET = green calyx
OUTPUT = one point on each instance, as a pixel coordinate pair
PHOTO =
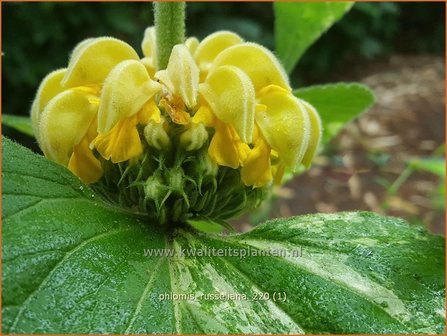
(178, 185)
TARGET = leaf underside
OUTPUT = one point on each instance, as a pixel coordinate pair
(73, 263)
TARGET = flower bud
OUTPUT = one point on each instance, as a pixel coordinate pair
(206, 166)
(155, 189)
(194, 137)
(156, 135)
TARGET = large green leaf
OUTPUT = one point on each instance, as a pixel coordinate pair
(19, 123)
(75, 264)
(337, 104)
(298, 25)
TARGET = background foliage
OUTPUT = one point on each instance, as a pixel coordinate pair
(38, 37)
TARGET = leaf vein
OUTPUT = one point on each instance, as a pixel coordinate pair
(66, 257)
(143, 296)
(245, 276)
(340, 284)
(175, 304)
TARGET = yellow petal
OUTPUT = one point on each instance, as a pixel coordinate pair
(148, 46)
(149, 64)
(126, 89)
(231, 96)
(64, 123)
(149, 43)
(315, 133)
(181, 77)
(80, 47)
(49, 88)
(284, 124)
(257, 170)
(121, 143)
(211, 46)
(257, 62)
(278, 173)
(192, 43)
(84, 164)
(93, 59)
(204, 116)
(149, 112)
(223, 150)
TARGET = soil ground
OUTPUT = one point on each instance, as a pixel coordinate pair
(407, 121)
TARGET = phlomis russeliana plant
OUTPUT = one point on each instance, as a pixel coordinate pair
(164, 144)
(206, 137)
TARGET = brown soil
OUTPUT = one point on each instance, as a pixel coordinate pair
(407, 121)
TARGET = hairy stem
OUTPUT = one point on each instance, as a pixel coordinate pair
(170, 29)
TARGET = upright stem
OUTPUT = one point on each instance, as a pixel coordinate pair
(169, 29)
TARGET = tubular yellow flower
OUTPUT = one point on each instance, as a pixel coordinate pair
(226, 147)
(126, 91)
(105, 78)
(282, 120)
(65, 128)
(231, 96)
(181, 77)
(230, 86)
(246, 86)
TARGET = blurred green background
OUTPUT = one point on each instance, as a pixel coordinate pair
(38, 37)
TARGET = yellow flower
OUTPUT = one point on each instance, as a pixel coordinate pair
(222, 91)
(125, 102)
(181, 80)
(247, 99)
(97, 102)
(204, 137)
(64, 123)
(286, 129)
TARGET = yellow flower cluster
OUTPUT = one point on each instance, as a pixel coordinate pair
(234, 93)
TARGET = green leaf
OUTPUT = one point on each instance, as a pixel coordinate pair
(299, 25)
(433, 165)
(437, 167)
(337, 104)
(19, 123)
(73, 263)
